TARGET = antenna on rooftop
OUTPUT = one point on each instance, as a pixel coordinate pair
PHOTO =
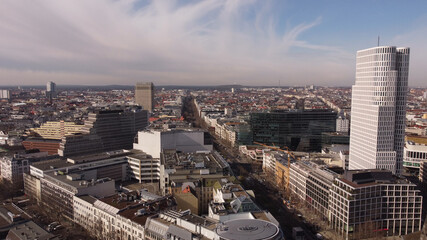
(378, 40)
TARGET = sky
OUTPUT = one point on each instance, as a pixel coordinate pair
(205, 42)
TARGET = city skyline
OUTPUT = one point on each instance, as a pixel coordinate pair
(206, 42)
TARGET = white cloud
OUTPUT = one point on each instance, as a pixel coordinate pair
(204, 42)
(415, 40)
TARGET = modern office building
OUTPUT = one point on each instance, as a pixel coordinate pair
(106, 130)
(374, 204)
(144, 95)
(378, 109)
(154, 141)
(50, 90)
(299, 130)
(144, 168)
(54, 183)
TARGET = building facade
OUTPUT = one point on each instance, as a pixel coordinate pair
(343, 125)
(50, 90)
(299, 130)
(413, 155)
(153, 142)
(4, 94)
(106, 130)
(144, 95)
(56, 130)
(311, 183)
(378, 109)
(374, 203)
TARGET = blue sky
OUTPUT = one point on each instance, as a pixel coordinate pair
(206, 42)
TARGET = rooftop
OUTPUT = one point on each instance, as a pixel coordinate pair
(247, 229)
(360, 178)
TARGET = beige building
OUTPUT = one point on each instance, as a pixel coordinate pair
(144, 95)
(56, 130)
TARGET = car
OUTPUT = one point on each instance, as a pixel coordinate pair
(58, 227)
(319, 236)
(52, 226)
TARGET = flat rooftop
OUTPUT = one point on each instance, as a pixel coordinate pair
(52, 164)
(247, 229)
(77, 183)
(360, 178)
(98, 156)
(198, 160)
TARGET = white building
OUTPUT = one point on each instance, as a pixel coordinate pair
(378, 109)
(144, 168)
(414, 154)
(4, 94)
(14, 167)
(120, 216)
(343, 125)
(153, 142)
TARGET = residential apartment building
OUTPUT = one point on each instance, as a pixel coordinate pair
(119, 216)
(378, 109)
(343, 125)
(374, 203)
(55, 130)
(189, 177)
(275, 165)
(14, 167)
(311, 182)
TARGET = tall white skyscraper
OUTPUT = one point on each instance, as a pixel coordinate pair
(378, 109)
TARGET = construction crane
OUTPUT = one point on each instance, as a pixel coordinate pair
(289, 153)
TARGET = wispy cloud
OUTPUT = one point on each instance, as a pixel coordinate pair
(169, 42)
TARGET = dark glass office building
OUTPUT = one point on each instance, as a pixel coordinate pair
(299, 130)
